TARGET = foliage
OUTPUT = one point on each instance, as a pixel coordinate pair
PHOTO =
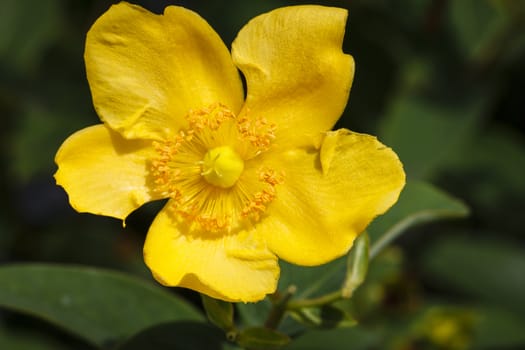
(439, 81)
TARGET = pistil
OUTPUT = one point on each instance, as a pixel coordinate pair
(222, 166)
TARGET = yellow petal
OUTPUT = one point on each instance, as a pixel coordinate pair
(235, 267)
(297, 74)
(146, 71)
(104, 173)
(329, 197)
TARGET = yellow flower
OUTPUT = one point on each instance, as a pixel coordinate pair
(248, 178)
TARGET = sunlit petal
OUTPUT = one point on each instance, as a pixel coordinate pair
(147, 71)
(104, 173)
(235, 267)
(328, 198)
(297, 74)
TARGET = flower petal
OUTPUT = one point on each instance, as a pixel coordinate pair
(147, 71)
(329, 197)
(104, 173)
(234, 267)
(297, 74)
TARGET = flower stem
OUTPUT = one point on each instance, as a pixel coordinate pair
(319, 301)
(399, 228)
(279, 308)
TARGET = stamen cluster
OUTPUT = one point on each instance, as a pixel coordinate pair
(178, 170)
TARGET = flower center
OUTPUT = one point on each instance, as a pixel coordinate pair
(222, 167)
(213, 172)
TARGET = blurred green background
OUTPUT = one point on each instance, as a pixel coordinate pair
(441, 82)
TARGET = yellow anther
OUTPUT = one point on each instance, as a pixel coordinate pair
(222, 166)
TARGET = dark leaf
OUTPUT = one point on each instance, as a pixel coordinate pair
(103, 307)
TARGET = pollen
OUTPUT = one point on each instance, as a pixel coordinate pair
(212, 171)
(257, 204)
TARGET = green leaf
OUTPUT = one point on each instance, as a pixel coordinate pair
(11, 339)
(355, 338)
(39, 127)
(177, 335)
(419, 203)
(487, 173)
(488, 270)
(357, 266)
(425, 133)
(27, 28)
(261, 339)
(219, 312)
(309, 281)
(325, 317)
(384, 271)
(484, 154)
(476, 24)
(103, 307)
(312, 281)
(6, 238)
(254, 314)
(497, 328)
